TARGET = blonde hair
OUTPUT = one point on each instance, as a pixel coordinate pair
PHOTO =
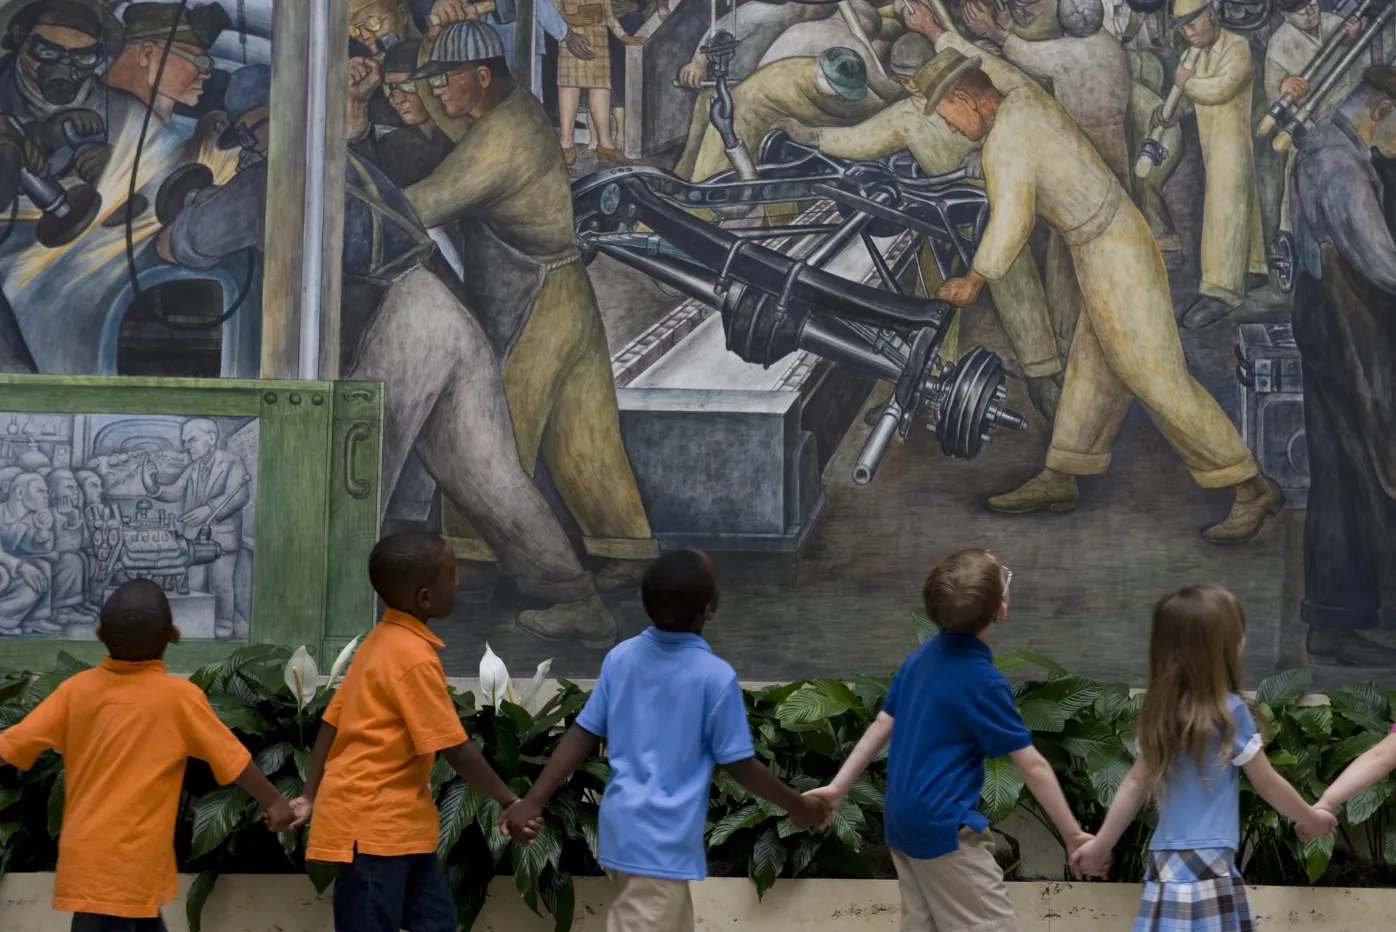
(1194, 668)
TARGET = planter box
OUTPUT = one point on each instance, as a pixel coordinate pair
(262, 903)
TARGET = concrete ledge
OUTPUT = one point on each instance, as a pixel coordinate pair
(262, 903)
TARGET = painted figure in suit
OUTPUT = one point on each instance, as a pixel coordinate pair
(213, 490)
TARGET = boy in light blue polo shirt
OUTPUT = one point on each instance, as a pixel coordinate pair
(669, 710)
(953, 710)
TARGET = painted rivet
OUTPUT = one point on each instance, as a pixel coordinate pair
(295, 398)
(269, 398)
(317, 400)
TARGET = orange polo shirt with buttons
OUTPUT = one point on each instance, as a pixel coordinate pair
(126, 731)
(392, 715)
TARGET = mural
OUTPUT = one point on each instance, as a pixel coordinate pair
(827, 289)
(89, 501)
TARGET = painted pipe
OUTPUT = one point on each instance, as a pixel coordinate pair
(313, 250)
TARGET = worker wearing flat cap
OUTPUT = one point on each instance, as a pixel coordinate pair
(1218, 86)
(1038, 164)
(506, 184)
(937, 148)
(151, 29)
(1344, 321)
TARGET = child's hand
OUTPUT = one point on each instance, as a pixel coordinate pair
(279, 817)
(829, 800)
(1090, 858)
(521, 821)
(302, 808)
(814, 814)
(1319, 823)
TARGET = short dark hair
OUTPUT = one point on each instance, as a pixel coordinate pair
(678, 588)
(136, 621)
(404, 563)
(964, 591)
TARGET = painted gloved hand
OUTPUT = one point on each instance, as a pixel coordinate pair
(91, 160)
(30, 155)
(83, 122)
(973, 166)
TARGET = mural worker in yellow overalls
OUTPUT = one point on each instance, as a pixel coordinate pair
(1022, 306)
(1037, 163)
(1218, 87)
(506, 184)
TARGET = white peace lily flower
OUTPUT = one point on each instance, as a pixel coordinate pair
(302, 676)
(494, 678)
(536, 683)
(341, 663)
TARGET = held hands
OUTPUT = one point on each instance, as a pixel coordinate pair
(279, 817)
(1089, 856)
(302, 808)
(829, 798)
(521, 820)
(1321, 822)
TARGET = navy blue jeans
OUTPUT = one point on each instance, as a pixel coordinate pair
(387, 894)
(92, 922)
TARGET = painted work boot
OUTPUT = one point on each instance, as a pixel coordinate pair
(587, 620)
(1055, 491)
(1257, 500)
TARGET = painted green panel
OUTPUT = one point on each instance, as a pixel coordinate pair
(288, 590)
(354, 496)
(37, 655)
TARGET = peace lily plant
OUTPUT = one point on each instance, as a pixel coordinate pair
(496, 687)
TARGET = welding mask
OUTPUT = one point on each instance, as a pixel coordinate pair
(62, 71)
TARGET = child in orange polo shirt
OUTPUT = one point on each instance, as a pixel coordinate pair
(369, 772)
(125, 730)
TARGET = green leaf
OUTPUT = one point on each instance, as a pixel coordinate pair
(441, 773)
(1106, 773)
(9, 795)
(458, 806)
(591, 834)
(488, 821)
(1317, 854)
(1316, 721)
(198, 895)
(56, 799)
(767, 860)
(1084, 742)
(924, 627)
(1348, 750)
(529, 860)
(596, 767)
(1362, 704)
(728, 786)
(745, 817)
(871, 691)
(1285, 686)
(273, 757)
(1367, 803)
(865, 794)
(847, 825)
(1041, 714)
(804, 853)
(215, 815)
(1002, 788)
(558, 896)
(813, 706)
(1113, 701)
(1017, 659)
(321, 875)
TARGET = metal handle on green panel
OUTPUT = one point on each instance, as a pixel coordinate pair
(358, 488)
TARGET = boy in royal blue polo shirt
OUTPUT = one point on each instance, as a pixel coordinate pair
(669, 711)
(953, 710)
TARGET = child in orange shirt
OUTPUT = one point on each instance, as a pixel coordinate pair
(125, 730)
(368, 784)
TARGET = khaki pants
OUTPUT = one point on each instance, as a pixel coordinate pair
(562, 398)
(962, 891)
(1127, 347)
(649, 904)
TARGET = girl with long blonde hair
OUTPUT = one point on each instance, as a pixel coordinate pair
(1195, 732)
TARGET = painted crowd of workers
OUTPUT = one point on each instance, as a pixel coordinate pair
(1048, 102)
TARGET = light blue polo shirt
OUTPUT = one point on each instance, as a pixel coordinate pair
(1200, 808)
(669, 711)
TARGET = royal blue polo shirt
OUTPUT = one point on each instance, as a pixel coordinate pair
(669, 711)
(952, 710)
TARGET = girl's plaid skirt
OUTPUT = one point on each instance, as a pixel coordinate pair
(1194, 891)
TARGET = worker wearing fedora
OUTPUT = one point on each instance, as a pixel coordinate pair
(1037, 163)
(1219, 89)
(1018, 296)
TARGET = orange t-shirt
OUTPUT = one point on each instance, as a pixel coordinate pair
(392, 714)
(125, 731)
